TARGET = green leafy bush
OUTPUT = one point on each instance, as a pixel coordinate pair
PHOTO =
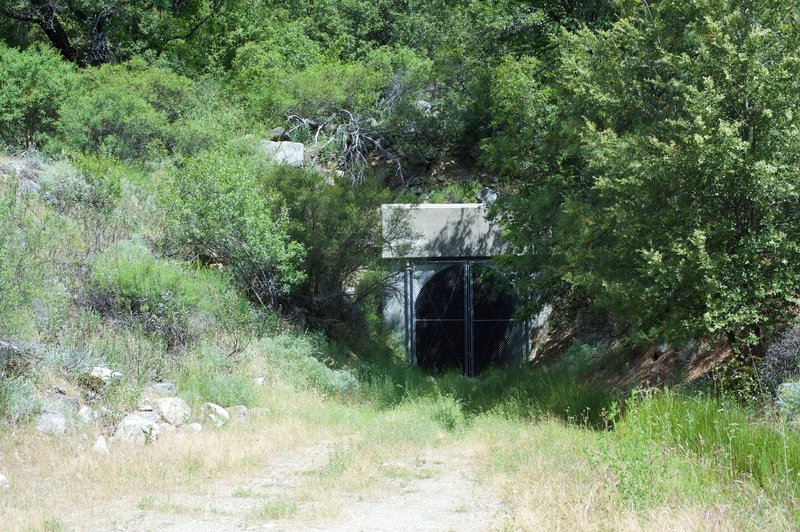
(298, 360)
(339, 226)
(788, 401)
(34, 83)
(225, 214)
(136, 111)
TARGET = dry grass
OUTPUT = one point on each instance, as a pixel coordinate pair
(316, 462)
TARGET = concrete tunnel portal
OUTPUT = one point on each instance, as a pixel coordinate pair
(453, 309)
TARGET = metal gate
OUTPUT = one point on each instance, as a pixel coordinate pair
(460, 316)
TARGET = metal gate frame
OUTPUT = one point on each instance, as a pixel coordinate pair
(469, 311)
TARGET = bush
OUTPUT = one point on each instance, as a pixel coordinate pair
(136, 111)
(339, 227)
(35, 82)
(788, 402)
(298, 359)
(36, 248)
(168, 300)
(18, 399)
(223, 213)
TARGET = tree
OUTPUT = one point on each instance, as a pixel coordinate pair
(94, 32)
(35, 82)
(664, 183)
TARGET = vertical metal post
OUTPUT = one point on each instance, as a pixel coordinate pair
(469, 355)
(409, 314)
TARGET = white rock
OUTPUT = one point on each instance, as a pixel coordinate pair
(239, 413)
(101, 445)
(197, 427)
(51, 423)
(134, 428)
(149, 415)
(88, 414)
(289, 153)
(4, 485)
(259, 381)
(173, 410)
(165, 388)
(105, 374)
(166, 427)
(216, 414)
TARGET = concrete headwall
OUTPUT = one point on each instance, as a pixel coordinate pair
(439, 231)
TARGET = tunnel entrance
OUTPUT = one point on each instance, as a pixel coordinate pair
(462, 318)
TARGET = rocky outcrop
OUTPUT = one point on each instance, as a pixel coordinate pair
(100, 446)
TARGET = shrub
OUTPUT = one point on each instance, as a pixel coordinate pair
(18, 399)
(340, 229)
(788, 402)
(168, 300)
(136, 111)
(35, 82)
(225, 214)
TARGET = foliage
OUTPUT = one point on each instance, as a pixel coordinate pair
(129, 282)
(327, 218)
(662, 181)
(225, 214)
(17, 399)
(136, 111)
(721, 431)
(88, 32)
(35, 82)
(782, 360)
(37, 254)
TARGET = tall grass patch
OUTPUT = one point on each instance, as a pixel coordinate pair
(730, 436)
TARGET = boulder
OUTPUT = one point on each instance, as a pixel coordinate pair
(136, 429)
(50, 422)
(173, 410)
(217, 415)
(196, 427)
(100, 445)
(288, 153)
(60, 402)
(105, 374)
(4, 485)
(149, 415)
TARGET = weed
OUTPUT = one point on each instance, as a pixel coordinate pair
(146, 503)
(275, 509)
(242, 492)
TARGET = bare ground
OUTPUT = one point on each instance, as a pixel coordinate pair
(439, 489)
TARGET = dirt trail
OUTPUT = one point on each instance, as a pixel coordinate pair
(438, 490)
(443, 495)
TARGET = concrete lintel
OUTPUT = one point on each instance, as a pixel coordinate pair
(439, 231)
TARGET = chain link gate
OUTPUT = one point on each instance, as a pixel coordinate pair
(460, 316)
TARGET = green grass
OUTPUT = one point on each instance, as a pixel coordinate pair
(739, 442)
(275, 509)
